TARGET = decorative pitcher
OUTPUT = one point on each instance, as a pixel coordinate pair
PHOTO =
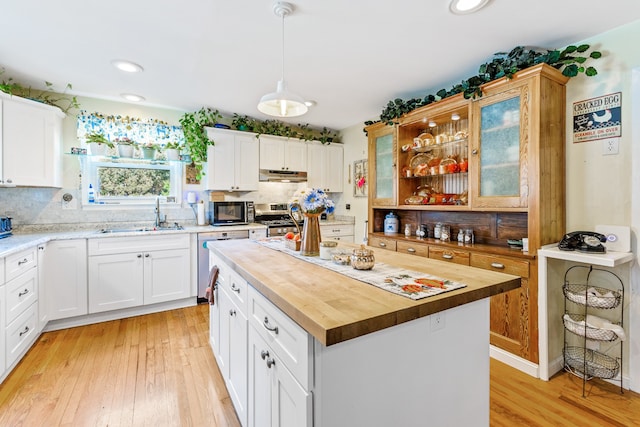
(310, 240)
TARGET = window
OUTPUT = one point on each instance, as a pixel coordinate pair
(119, 181)
(130, 181)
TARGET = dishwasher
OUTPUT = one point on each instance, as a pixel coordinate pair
(203, 255)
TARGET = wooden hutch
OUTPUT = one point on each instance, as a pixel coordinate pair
(494, 164)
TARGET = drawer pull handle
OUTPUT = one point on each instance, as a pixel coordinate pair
(270, 363)
(268, 327)
(411, 250)
(24, 261)
(234, 288)
(23, 293)
(447, 256)
(232, 312)
(497, 265)
(383, 244)
(26, 329)
(264, 354)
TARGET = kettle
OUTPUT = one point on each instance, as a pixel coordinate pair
(390, 223)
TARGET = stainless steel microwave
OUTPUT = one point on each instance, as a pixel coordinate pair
(231, 213)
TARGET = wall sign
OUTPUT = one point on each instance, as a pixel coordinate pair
(597, 118)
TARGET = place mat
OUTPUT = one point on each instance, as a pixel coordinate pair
(407, 283)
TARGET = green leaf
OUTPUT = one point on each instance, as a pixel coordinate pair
(583, 48)
(570, 70)
(595, 54)
(590, 71)
(581, 59)
(570, 49)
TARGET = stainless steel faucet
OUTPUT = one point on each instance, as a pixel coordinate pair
(159, 220)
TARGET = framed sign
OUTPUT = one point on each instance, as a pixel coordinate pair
(597, 118)
(360, 188)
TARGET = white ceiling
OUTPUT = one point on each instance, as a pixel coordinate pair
(352, 57)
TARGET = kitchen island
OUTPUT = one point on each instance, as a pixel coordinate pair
(352, 353)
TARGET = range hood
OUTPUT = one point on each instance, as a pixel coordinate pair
(267, 175)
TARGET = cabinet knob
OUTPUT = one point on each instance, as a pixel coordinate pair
(147, 255)
(474, 151)
(268, 327)
(232, 312)
(264, 354)
(270, 363)
(9, 181)
(139, 255)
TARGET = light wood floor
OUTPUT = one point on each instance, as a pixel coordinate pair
(158, 370)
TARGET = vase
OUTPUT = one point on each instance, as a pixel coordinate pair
(125, 150)
(97, 149)
(148, 153)
(310, 241)
(173, 154)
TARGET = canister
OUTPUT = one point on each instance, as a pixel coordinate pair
(326, 248)
(390, 223)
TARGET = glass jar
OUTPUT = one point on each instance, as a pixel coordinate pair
(461, 236)
(326, 248)
(407, 230)
(468, 236)
(437, 230)
(445, 233)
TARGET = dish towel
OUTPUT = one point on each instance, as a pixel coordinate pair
(213, 277)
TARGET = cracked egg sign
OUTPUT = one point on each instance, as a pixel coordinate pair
(597, 118)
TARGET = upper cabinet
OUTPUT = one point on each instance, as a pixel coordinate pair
(30, 142)
(282, 154)
(325, 166)
(232, 162)
(382, 166)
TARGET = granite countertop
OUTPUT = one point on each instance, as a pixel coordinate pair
(21, 241)
(333, 307)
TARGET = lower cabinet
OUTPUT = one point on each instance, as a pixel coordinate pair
(64, 279)
(343, 232)
(128, 272)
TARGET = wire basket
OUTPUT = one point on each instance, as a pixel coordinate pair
(573, 324)
(592, 296)
(597, 364)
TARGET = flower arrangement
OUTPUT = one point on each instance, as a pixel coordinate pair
(148, 145)
(124, 141)
(311, 201)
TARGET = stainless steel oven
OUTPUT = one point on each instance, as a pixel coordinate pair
(276, 217)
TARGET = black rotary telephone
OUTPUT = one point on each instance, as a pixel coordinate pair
(583, 241)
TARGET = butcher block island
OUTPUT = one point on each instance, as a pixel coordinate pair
(301, 345)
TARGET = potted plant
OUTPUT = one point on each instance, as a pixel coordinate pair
(243, 123)
(98, 143)
(148, 150)
(172, 150)
(195, 136)
(125, 147)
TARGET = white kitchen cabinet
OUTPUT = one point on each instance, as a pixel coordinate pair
(20, 297)
(258, 233)
(282, 154)
(233, 161)
(3, 305)
(325, 166)
(128, 272)
(63, 284)
(31, 143)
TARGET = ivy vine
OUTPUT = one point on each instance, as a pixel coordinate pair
(569, 60)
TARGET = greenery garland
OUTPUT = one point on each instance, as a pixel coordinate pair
(570, 60)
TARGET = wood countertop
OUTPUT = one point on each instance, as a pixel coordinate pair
(335, 308)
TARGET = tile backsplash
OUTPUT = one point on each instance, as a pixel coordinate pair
(43, 209)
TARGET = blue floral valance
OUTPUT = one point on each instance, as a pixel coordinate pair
(142, 131)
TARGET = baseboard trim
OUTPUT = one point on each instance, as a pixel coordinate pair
(514, 361)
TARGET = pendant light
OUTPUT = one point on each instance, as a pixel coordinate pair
(282, 103)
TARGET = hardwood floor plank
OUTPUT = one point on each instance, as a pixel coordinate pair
(158, 370)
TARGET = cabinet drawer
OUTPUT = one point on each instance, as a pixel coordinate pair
(21, 333)
(17, 264)
(501, 264)
(449, 254)
(237, 289)
(288, 340)
(122, 245)
(21, 293)
(413, 248)
(329, 230)
(381, 242)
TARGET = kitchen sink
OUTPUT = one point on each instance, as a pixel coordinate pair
(139, 229)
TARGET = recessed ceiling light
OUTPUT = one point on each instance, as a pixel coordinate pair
(463, 7)
(128, 66)
(132, 97)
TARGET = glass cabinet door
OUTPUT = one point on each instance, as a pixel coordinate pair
(499, 151)
(382, 166)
